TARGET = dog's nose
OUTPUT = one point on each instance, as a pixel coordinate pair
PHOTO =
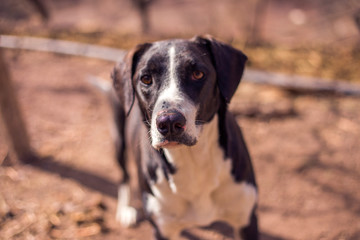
(170, 123)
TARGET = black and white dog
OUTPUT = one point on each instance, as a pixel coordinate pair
(172, 119)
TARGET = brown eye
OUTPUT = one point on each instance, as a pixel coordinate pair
(146, 79)
(196, 75)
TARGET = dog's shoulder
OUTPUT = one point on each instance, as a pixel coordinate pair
(235, 148)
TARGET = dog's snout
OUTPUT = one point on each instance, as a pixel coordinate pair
(170, 123)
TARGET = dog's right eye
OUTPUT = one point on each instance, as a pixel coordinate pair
(146, 79)
(197, 75)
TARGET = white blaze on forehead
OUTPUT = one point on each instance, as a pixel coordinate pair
(172, 55)
(172, 90)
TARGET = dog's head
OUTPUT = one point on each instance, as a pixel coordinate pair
(179, 85)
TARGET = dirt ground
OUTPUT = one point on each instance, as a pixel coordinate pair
(305, 150)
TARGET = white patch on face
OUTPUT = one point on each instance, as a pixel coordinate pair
(172, 66)
(174, 99)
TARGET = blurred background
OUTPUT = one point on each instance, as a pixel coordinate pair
(306, 37)
(304, 143)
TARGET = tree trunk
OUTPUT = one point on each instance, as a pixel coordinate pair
(12, 117)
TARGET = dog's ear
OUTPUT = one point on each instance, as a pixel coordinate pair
(123, 76)
(229, 64)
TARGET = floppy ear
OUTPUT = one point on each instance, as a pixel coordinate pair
(229, 64)
(123, 73)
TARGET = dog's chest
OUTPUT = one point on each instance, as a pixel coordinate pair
(202, 190)
(200, 169)
(198, 180)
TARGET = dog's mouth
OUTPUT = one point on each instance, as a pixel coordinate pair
(168, 144)
(173, 142)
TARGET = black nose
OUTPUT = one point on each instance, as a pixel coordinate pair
(170, 123)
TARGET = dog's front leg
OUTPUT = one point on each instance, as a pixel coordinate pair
(125, 214)
(250, 232)
(165, 216)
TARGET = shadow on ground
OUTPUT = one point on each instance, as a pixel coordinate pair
(89, 180)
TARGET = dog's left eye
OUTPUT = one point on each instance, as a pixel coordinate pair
(197, 75)
(146, 79)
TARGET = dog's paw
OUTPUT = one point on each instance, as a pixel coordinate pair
(126, 216)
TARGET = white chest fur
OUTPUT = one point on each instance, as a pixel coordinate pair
(202, 190)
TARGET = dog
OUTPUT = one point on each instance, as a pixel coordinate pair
(171, 111)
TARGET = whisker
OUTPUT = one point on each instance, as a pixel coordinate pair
(199, 122)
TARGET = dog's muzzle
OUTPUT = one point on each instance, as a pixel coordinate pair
(170, 124)
(171, 128)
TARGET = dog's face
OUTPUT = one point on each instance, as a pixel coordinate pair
(176, 86)
(179, 85)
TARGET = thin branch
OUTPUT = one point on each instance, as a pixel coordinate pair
(290, 82)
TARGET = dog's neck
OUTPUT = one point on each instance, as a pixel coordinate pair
(201, 158)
